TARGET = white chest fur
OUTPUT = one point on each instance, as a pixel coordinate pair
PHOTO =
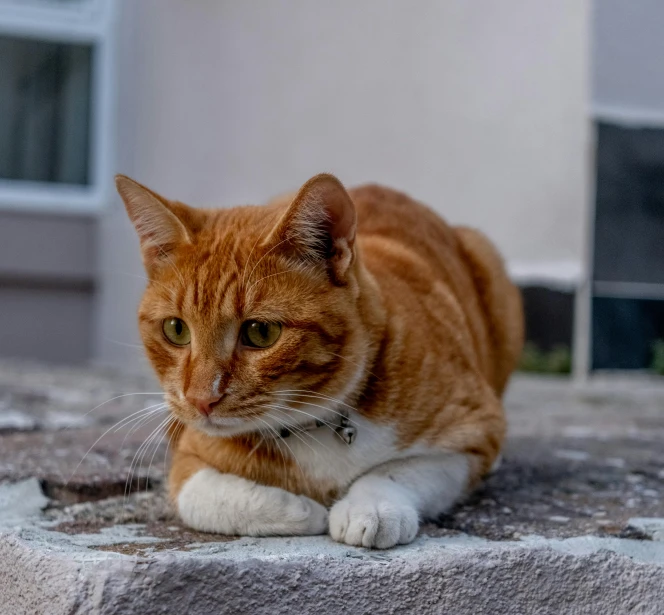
(323, 455)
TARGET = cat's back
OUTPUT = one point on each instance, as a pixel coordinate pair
(384, 213)
(410, 250)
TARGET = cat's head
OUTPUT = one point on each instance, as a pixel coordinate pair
(251, 312)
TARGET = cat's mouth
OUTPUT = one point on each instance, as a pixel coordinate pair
(218, 425)
(229, 426)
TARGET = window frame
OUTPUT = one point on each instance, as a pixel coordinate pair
(79, 21)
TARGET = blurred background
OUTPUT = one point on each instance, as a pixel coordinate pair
(541, 123)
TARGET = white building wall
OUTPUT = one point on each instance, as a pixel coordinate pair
(628, 50)
(477, 108)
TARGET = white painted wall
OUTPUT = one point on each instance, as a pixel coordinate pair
(628, 50)
(477, 108)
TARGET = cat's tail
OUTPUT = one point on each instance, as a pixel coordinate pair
(500, 300)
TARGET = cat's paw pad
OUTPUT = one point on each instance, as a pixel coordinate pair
(379, 524)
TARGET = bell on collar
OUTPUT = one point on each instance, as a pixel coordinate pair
(348, 434)
(346, 431)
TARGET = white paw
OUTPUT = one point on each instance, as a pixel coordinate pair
(363, 522)
(314, 518)
(227, 504)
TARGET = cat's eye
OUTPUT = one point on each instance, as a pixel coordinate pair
(176, 331)
(257, 334)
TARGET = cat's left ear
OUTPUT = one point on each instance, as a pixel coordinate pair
(319, 226)
(159, 227)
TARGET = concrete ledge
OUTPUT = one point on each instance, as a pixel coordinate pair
(572, 522)
(54, 573)
(313, 575)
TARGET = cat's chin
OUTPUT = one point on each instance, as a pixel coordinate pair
(224, 427)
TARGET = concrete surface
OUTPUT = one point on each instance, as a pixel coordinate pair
(572, 522)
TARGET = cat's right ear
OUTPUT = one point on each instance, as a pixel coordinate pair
(159, 229)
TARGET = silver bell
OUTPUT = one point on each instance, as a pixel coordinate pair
(348, 434)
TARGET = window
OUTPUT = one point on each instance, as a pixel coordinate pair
(55, 90)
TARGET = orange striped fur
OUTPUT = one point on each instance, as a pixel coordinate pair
(409, 321)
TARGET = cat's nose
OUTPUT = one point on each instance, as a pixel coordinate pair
(204, 405)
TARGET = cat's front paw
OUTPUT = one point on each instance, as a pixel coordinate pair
(315, 517)
(365, 522)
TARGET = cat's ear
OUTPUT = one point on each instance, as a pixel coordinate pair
(159, 229)
(319, 226)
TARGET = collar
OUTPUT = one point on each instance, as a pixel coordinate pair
(342, 427)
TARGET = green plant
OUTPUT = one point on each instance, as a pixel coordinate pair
(558, 360)
(657, 364)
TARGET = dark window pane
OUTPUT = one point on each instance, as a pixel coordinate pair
(549, 317)
(624, 331)
(44, 110)
(629, 219)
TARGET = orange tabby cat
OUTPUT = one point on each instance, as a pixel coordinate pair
(332, 349)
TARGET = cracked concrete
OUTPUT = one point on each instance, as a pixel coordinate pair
(573, 521)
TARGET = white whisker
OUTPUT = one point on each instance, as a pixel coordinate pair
(272, 430)
(175, 435)
(294, 427)
(141, 451)
(260, 236)
(309, 393)
(318, 405)
(285, 444)
(172, 263)
(116, 426)
(156, 448)
(265, 277)
(264, 255)
(327, 424)
(108, 401)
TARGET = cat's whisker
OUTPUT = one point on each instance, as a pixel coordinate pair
(305, 432)
(260, 236)
(296, 432)
(141, 451)
(258, 445)
(290, 426)
(309, 393)
(274, 247)
(108, 401)
(172, 263)
(327, 424)
(130, 472)
(140, 422)
(358, 365)
(120, 397)
(154, 408)
(290, 408)
(332, 410)
(121, 423)
(125, 344)
(171, 419)
(278, 437)
(176, 434)
(154, 437)
(265, 277)
(285, 444)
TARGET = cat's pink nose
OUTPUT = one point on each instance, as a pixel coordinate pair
(204, 405)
